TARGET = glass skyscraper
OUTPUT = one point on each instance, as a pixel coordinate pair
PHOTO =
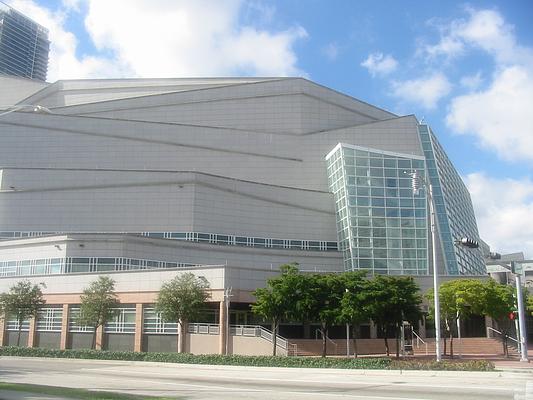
(24, 45)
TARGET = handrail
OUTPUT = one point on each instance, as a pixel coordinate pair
(418, 340)
(327, 338)
(259, 331)
(489, 328)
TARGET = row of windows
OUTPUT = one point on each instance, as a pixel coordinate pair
(214, 238)
(71, 265)
(49, 319)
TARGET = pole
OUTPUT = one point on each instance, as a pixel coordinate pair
(347, 340)
(435, 275)
(459, 337)
(521, 320)
(347, 333)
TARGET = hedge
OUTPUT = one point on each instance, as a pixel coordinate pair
(256, 361)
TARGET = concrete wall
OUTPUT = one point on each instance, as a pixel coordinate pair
(160, 343)
(202, 344)
(118, 342)
(48, 340)
(252, 346)
(79, 340)
(11, 338)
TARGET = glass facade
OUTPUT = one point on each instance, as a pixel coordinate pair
(49, 319)
(213, 238)
(153, 323)
(382, 225)
(73, 265)
(24, 45)
(453, 209)
(123, 321)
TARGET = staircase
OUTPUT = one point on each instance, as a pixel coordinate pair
(468, 346)
(480, 346)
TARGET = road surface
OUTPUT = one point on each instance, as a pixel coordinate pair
(200, 382)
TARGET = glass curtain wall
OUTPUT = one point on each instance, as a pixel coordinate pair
(382, 226)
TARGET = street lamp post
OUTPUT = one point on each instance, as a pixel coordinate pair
(416, 182)
(521, 320)
(347, 334)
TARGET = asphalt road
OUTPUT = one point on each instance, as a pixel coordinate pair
(229, 382)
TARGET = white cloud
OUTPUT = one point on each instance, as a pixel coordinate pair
(472, 81)
(448, 46)
(426, 91)
(73, 5)
(63, 63)
(504, 212)
(331, 51)
(165, 38)
(380, 64)
(499, 116)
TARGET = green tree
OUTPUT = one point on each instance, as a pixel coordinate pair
(328, 290)
(22, 301)
(459, 299)
(499, 302)
(353, 304)
(182, 300)
(393, 300)
(275, 302)
(97, 304)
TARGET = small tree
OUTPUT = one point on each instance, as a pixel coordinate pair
(499, 301)
(329, 290)
(458, 299)
(353, 303)
(182, 300)
(392, 300)
(97, 303)
(22, 301)
(275, 302)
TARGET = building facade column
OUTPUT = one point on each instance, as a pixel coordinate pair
(222, 328)
(2, 330)
(138, 341)
(373, 330)
(99, 338)
(32, 331)
(64, 328)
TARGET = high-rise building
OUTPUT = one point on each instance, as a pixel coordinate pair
(24, 45)
(226, 177)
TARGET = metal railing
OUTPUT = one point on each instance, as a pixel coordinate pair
(418, 340)
(490, 329)
(259, 331)
(204, 329)
(317, 332)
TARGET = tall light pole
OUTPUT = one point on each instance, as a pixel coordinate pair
(347, 334)
(416, 182)
(521, 320)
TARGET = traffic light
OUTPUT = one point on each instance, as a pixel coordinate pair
(468, 243)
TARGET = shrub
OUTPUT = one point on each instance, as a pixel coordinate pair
(253, 361)
(212, 359)
(447, 365)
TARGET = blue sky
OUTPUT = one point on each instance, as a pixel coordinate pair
(466, 68)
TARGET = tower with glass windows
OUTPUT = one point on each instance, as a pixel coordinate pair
(24, 45)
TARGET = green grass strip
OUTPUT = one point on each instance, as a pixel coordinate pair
(74, 393)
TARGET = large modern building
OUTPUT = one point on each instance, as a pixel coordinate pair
(24, 45)
(226, 177)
